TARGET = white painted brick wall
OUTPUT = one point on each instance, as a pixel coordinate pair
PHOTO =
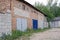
(5, 23)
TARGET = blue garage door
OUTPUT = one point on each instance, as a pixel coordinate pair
(35, 24)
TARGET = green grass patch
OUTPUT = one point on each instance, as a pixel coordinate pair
(29, 32)
(17, 34)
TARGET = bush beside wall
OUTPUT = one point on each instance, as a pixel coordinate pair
(17, 34)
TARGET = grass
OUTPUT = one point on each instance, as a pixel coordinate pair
(16, 34)
(31, 31)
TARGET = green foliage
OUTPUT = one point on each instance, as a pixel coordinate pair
(51, 9)
(45, 10)
(55, 10)
(17, 34)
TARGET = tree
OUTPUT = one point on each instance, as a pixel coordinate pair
(50, 3)
(55, 9)
(51, 9)
(45, 10)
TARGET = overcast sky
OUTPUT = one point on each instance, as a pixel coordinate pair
(41, 1)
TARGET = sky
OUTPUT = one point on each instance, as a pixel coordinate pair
(33, 1)
(41, 1)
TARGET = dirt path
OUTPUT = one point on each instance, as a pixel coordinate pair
(52, 34)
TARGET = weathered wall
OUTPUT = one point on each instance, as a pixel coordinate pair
(4, 5)
(28, 13)
(14, 10)
(5, 17)
(33, 16)
(20, 12)
(41, 21)
(5, 23)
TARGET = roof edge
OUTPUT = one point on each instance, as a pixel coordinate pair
(31, 6)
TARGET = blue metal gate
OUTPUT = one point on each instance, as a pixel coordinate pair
(35, 24)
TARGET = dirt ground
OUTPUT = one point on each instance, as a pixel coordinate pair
(52, 34)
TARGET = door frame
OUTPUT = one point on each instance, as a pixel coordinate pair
(35, 23)
(21, 23)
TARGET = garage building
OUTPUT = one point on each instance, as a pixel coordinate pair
(20, 15)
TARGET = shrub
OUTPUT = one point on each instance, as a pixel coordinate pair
(17, 34)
